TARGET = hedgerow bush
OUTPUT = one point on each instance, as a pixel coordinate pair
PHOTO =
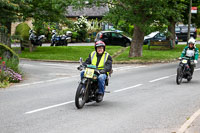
(22, 30)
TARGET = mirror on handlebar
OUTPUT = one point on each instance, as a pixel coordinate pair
(81, 60)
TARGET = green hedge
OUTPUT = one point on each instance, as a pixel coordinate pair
(22, 30)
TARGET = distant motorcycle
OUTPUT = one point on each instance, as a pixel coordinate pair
(60, 40)
(184, 70)
(36, 40)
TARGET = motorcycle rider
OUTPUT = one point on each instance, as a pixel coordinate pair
(54, 34)
(103, 61)
(192, 52)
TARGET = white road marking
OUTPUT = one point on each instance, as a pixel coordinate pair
(49, 107)
(46, 81)
(158, 79)
(47, 64)
(189, 122)
(65, 103)
(124, 89)
(131, 87)
(127, 67)
(197, 69)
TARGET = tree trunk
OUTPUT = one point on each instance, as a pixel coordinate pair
(8, 25)
(137, 42)
(171, 29)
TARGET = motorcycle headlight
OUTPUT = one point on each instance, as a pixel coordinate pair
(184, 61)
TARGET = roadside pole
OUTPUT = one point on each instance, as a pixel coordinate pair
(189, 21)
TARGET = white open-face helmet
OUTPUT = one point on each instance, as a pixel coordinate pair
(192, 41)
(53, 31)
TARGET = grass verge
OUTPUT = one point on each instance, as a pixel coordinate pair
(73, 53)
(155, 54)
(69, 53)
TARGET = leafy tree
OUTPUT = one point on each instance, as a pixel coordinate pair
(175, 10)
(41, 11)
(44, 11)
(9, 12)
(145, 15)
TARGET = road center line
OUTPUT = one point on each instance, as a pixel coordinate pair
(49, 107)
(189, 122)
(131, 87)
(197, 69)
(61, 104)
(127, 67)
(161, 78)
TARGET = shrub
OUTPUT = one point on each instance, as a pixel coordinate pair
(81, 26)
(22, 30)
(9, 70)
(7, 74)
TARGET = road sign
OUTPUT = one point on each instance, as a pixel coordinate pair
(194, 10)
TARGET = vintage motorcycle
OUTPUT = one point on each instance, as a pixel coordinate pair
(36, 40)
(184, 70)
(87, 90)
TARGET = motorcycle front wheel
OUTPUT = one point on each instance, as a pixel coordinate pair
(179, 75)
(81, 95)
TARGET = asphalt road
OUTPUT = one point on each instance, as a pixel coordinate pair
(143, 99)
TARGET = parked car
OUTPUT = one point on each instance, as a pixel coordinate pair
(156, 36)
(113, 38)
(182, 31)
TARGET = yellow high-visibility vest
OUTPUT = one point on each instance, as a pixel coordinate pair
(103, 59)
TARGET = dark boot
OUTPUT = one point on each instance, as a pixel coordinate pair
(99, 97)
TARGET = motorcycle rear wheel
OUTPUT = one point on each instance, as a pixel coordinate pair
(179, 75)
(81, 96)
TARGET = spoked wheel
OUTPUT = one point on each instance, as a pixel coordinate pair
(81, 95)
(179, 75)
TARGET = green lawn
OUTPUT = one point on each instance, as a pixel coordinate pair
(73, 53)
(198, 38)
(70, 53)
(155, 54)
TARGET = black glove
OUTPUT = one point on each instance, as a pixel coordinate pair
(102, 71)
(80, 67)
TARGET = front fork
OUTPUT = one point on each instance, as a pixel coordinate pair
(86, 84)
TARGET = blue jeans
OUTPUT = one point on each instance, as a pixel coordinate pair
(101, 81)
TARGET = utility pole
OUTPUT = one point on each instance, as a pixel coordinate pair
(189, 20)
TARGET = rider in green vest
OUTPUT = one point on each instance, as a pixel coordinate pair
(191, 52)
(103, 61)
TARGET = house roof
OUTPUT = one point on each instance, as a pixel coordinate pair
(90, 12)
